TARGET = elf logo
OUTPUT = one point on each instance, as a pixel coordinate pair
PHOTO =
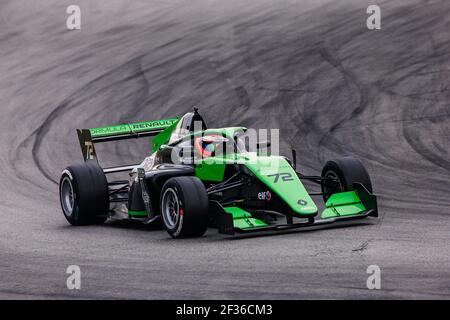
(264, 195)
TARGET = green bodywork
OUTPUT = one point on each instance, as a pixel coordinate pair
(243, 219)
(274, 171)
(210, 172)
(139, 214)
(280, 177)
(343, 204)
(164, 136)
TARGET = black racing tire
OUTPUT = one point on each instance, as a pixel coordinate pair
(345, 171)
(184, 207)
(83, 193)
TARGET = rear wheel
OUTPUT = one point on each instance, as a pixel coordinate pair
(83, 193)
(184, 207)
(342, 173)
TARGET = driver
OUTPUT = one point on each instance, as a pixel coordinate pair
(207, 146)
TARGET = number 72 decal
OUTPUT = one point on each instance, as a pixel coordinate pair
(285, 176)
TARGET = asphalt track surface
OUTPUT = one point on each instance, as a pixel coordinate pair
(310, 68)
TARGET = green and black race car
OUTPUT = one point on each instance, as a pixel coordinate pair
(198, 177)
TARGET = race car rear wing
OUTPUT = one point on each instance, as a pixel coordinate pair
(89, 137)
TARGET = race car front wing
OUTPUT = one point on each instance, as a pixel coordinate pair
(344, 206)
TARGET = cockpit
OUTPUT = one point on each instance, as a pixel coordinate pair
(191, 140)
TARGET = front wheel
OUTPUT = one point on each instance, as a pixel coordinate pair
(341, 174)
(184, 207)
